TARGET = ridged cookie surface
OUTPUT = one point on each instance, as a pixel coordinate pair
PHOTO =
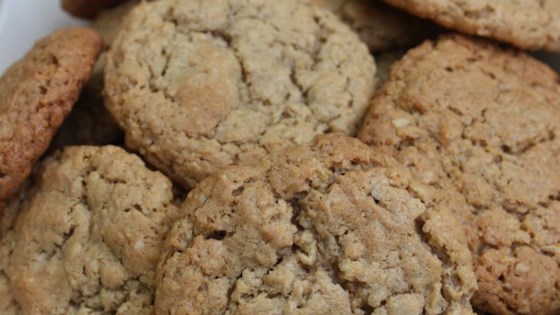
(332, 227)
(85, 236)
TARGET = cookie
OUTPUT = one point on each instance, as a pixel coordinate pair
(87, 236)
(90, 123)
(331, 227)
(87, 9)
(36, 94)
(529, 25)
(198, 86)
(379, 25)
(464, 113)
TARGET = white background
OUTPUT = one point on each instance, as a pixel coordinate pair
(22, 22)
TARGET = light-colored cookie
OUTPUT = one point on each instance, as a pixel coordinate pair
(527, 24)
(331, 227)
(379, 25)
(87, 235)
(464, 113)
(87, 9)
(200, 85)
(36, 94)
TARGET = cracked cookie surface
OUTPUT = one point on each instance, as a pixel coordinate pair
(201, 85)
(527, 24)
(379, 25)
(326, 228)
(85, 236)
(36, 94)
(464, 113)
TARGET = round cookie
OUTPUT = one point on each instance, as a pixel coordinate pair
(201, 85)
(464, 113)
(87, 9)
(87, 235)
(528, 24)
(331, 227)
(36, 94)
(379, 25)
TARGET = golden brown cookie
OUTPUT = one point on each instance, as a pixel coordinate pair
(379, 25)
(527, 24)
(87, 9)
(332, 227)
(36, 94)
(464, 113)
(87, 235)
(198, 86)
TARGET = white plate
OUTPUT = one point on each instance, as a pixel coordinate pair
(22, 22)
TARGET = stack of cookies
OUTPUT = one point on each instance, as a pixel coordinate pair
(284, 157)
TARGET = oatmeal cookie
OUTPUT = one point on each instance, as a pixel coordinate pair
(87, 234)
(464, 113)
(36, 94)
(201, 85)
(332, 227)
(528, 24)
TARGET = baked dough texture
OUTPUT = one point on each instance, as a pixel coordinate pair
(36, 94)
(85, 236)
(332, 227)
(527, 24)
(200, 85)
(464, 113)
